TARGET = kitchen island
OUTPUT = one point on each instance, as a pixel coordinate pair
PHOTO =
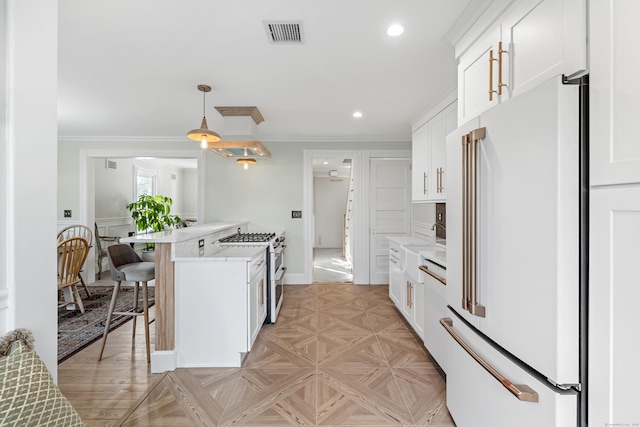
(170, 245)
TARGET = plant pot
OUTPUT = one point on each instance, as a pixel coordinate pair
(148, 255)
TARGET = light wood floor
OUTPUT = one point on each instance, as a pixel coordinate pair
(339, 355)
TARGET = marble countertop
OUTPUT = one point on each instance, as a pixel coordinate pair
(182, 234)
(439, 257)
(417, 241)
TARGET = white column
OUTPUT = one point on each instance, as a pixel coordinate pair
(29, 170)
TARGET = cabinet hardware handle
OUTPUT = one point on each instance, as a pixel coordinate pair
(394, 250)
(261, 292)
(393, 260)
(440, 279)
(500, 83)
(491, 59)
(424, 183)
(520, 391)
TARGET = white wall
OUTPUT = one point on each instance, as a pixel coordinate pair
(113, 189)
(189, 185)
(4, 166)
(330, 202)
(29, 148)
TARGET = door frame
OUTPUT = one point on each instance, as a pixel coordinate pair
(361, 228)
(86, 183)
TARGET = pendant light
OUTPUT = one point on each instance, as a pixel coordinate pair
(246, 161)
(204, 135)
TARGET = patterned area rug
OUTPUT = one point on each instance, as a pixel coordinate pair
(77, 330)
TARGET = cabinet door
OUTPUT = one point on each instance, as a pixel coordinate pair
(476, 85)
(418, 308)
(405, 309)
(395, 281)
(420, 162)
(437, 147)
(435, 308)
(614, 93)
(257, 305)
(613, 299)
(543, 39)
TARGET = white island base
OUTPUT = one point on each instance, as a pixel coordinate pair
(220, 306)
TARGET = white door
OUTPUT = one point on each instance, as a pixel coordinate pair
(390, 211)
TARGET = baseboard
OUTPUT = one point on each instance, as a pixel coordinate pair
(294, 279)
(163, 360)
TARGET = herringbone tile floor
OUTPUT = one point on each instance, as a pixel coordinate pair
(339, 355)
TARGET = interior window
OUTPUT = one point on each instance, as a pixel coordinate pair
(145, 183)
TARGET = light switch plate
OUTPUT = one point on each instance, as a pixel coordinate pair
(67, 213)
(296, 214)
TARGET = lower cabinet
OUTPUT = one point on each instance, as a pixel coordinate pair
(220, 308)
(412, 307)
(435, 308)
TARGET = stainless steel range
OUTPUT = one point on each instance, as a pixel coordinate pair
(274, 241)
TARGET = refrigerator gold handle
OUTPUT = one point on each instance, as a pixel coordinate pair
(472, 204)
(425, 269)
(465, 223)
(520, 391)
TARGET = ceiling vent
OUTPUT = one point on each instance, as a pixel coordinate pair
(284, 32)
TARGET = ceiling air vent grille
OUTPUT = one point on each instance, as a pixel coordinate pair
(289, 32)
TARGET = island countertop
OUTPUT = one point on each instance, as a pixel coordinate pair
(182, 234)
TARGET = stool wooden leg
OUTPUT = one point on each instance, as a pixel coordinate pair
(145, 308)
(112, 307)
(136, 288)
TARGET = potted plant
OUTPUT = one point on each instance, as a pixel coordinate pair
(153, 213)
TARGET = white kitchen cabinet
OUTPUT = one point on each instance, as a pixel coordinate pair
(435, 308)
(614, 245)
(614, 93)
(614, 242)
(532, 41)
(413, 304)
(257, 298)
(417, 314)
(219, 308)
(429, 151)
(396, 275)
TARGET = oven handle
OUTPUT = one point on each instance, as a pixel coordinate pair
(280, 274)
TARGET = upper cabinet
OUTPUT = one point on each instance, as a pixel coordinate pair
(428, 151)
(530, 42)
(614, 95)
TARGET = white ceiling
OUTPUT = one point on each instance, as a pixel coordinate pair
(129, 69)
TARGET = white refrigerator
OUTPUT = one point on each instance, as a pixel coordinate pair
(516, 284)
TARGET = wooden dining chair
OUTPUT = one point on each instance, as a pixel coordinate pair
(71, 255)
(78, 230)
(101, 251)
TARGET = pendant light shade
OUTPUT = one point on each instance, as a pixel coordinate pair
(246, 162)
(203, 134)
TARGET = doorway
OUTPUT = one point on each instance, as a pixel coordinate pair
(90, 160)
(333, 223)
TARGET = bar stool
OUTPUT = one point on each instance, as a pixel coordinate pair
(127, 266)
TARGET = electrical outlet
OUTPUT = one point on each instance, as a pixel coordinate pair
(439, 216)
(296, 214)
(67, 213)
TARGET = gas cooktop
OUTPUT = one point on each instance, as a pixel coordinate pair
(248, 238)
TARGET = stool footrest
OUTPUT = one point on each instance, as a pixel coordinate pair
(128, 313)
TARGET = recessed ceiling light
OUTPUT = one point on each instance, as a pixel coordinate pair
(326, 163)
(357, 114)
(395, 30)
